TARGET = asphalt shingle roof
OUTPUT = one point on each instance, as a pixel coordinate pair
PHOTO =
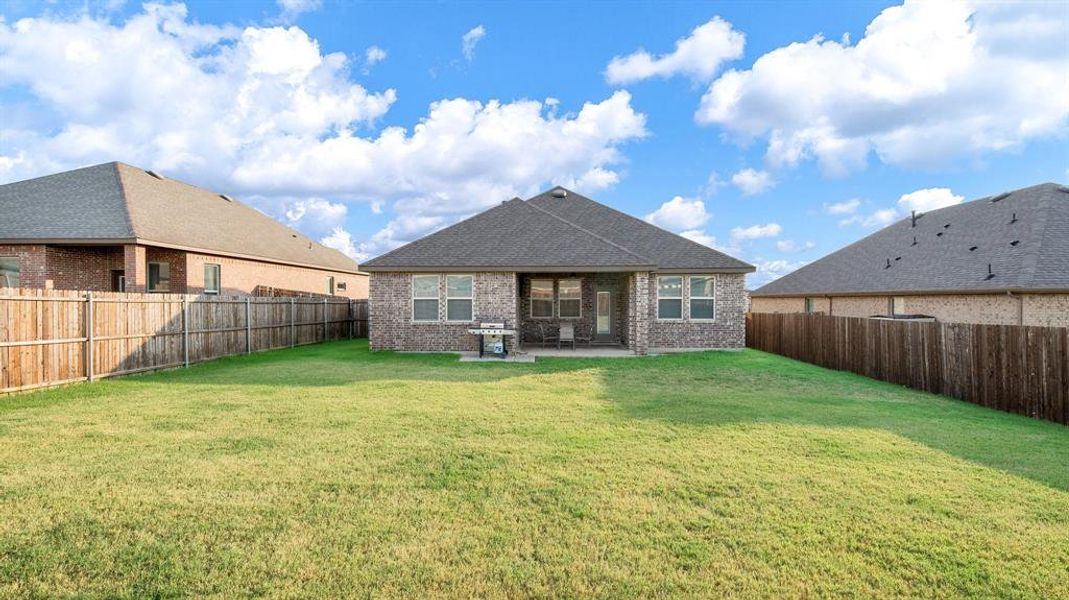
(120, 203)
(551, 232)
(1023, 235)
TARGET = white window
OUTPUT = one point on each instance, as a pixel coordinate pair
(159, 277)
(458, 295)
(424, 297)
(569, 298)
(330, 285)
(702, 304)
(9, 271)
(211, 278)
(542, 298)
(809, 306)
(670, 297)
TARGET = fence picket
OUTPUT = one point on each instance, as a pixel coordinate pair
(1017, 369)
(53, 337)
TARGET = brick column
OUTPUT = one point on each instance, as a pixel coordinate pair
(135, 268)
(639, 312)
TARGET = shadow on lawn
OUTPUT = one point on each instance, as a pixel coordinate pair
(703, 389)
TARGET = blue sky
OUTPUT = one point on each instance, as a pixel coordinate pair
(370, 124)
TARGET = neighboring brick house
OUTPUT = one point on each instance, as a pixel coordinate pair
(114, 227)
(1002, 259)
(557, 258)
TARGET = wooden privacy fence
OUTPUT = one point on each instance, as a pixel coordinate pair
(51, 337)
(1024, 370)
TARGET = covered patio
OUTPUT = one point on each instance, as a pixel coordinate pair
(595, 307)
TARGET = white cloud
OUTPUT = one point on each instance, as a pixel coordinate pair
(878, 218)
(679, 214)
(754, 232)
(846, 207)
(291, 9)
(793, 247)
(769, 270)
(929, 81)
(698, 56)
(697, 235)
(373, 56)
(263, 112)
(929, 199)
(713, 184)
(469, 39)
(752, 182)
(316, 215)
(342, 240)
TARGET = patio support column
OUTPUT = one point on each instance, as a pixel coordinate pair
(638, 309)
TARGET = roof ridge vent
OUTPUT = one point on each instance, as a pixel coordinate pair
(560, 193)
(1001, 196)
(154, 174)
(225, 197)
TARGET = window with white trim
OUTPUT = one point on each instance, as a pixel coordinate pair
(10, 267)
(424, 297)
(898, 305)
(330, 285)
(159, 277)
(458, 297)
(702, 303)
(569, 298)
(809, 306)
(542, 298)
(211, 278)
(670, 297)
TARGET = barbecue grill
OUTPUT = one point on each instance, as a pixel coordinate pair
(492, 338)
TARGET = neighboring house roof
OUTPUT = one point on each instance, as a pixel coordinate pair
(552, 233)
(1023, 235)
(118, 203)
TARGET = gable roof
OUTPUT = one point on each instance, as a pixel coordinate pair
(118, 203)
(1023, 235)
(551, 233)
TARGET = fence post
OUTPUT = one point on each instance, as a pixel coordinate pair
(350, 318)
(324, 319)
(248, 326)
(89, 335)
(185, 329)
(293, 323)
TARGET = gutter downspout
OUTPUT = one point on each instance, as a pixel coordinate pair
(1020, 307)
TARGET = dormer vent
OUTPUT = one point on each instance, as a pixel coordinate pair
(560, 193)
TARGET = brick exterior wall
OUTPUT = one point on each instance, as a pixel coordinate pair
(590, 283)
(90, 268)
(507, 296)
(1051, 310)
(33, 264)
(392, 328)
(726, 331)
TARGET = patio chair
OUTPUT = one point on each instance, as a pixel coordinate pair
(548, 336)
(586, 335)
(567, 335)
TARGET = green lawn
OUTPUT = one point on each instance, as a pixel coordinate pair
(330, 471)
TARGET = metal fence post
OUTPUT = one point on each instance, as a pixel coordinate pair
(89, 335)
(324, 319)
(185, 329)
(293, 323)
(248, 326)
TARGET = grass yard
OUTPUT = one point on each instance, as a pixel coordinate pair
(330, 471)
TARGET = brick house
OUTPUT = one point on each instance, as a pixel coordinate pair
(1001, 260)
(114, 227)
(556, 258)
